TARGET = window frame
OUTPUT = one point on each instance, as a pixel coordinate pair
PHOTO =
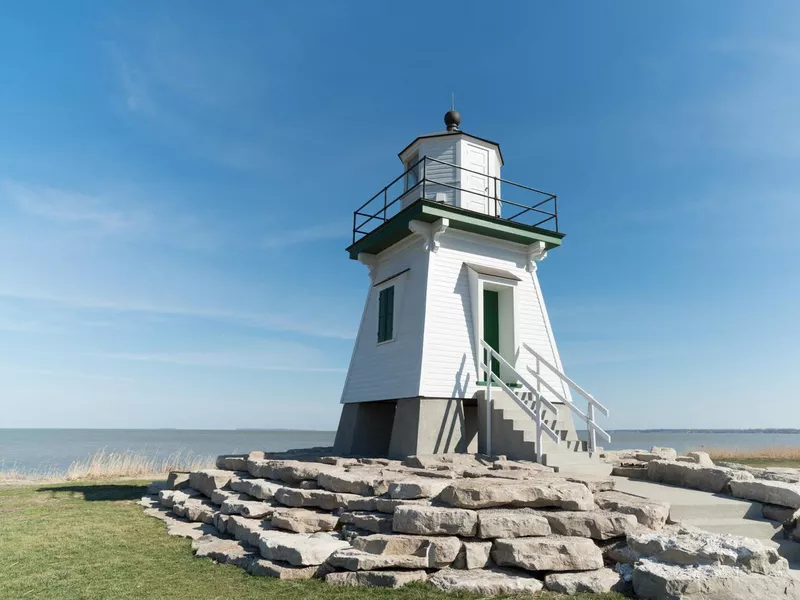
(382, 318)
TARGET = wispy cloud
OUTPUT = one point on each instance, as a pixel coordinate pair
(236, 360)
(16, 369)
(25, 326)
(314, 233)
(64, 205)
(271, 321)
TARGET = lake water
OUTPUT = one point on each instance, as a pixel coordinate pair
(56, 449)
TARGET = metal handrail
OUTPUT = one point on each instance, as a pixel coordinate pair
(382, 210)
(588, 417)
(535, 415)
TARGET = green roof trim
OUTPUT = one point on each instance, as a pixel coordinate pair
(396, 228)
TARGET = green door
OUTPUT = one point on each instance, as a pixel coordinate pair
(491, 326)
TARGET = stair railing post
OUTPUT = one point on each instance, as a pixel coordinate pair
(489, 405)
(539, 429)
(592, 433)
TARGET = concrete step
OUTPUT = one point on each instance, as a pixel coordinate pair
(690, 505)
(563, 459)
(715, 513)
(759, 529)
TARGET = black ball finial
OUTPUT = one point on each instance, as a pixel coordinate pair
(452, 119)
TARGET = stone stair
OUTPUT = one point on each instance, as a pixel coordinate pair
(716, 513)
(514, 434)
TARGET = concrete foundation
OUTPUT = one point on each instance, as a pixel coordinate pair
(407, 426)
(365, 429)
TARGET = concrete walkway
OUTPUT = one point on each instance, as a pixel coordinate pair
(715, 513)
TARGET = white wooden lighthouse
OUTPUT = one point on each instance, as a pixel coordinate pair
(455, 352)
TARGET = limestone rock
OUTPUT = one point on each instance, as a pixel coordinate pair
(374, 522)
(288, 471)
(219, 496)
(598, 525)
(474, 555)
(440, 550)
(417, 487)
(224, 551)
(232, 462)
(365, 483)
(592, 582)
(257, 488)
(665, 453)
(180, 527)
(771, 492)
(323, 499)
(595, 483)
(195, 509)
(246, 530)
(509, 523)
(252, 509)
(488, 493)
(630, 472)
(548, 553)
(701, 458)
(659, 581)
(358, 560)
(533, 469)
(261, 567)
(689, 475)
(388, 505)
(649, 513)
(690, 546)
(301, 520)
(486, 582)
(300, 550)
(383, 579)
(455, 461)
(177, 480)
(365, 503)
(167, 498)
(782, 514)
(208, 480)
(221, 522)
(435, 520)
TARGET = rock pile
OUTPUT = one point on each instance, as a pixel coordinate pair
(461, 522)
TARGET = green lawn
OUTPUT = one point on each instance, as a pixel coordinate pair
(93, 541)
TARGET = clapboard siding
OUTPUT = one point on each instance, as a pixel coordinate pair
(444, 150)
(448, 353)
(391, 370)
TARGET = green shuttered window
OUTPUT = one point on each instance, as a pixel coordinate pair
(386, 314)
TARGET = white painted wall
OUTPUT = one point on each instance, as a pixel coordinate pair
(392, 369)
(448, 364)
(451, 149)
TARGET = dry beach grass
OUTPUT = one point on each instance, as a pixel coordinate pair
(777, 456)
(91, 540)
(112, 465)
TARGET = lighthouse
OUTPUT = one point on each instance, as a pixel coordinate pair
(455, 352)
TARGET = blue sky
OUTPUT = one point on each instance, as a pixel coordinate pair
(177, 183)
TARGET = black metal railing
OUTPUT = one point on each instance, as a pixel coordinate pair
(418, 183)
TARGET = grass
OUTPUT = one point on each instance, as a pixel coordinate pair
(114, 465)
(779, 456)
(91, 540)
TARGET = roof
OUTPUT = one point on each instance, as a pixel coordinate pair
(458, 132)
